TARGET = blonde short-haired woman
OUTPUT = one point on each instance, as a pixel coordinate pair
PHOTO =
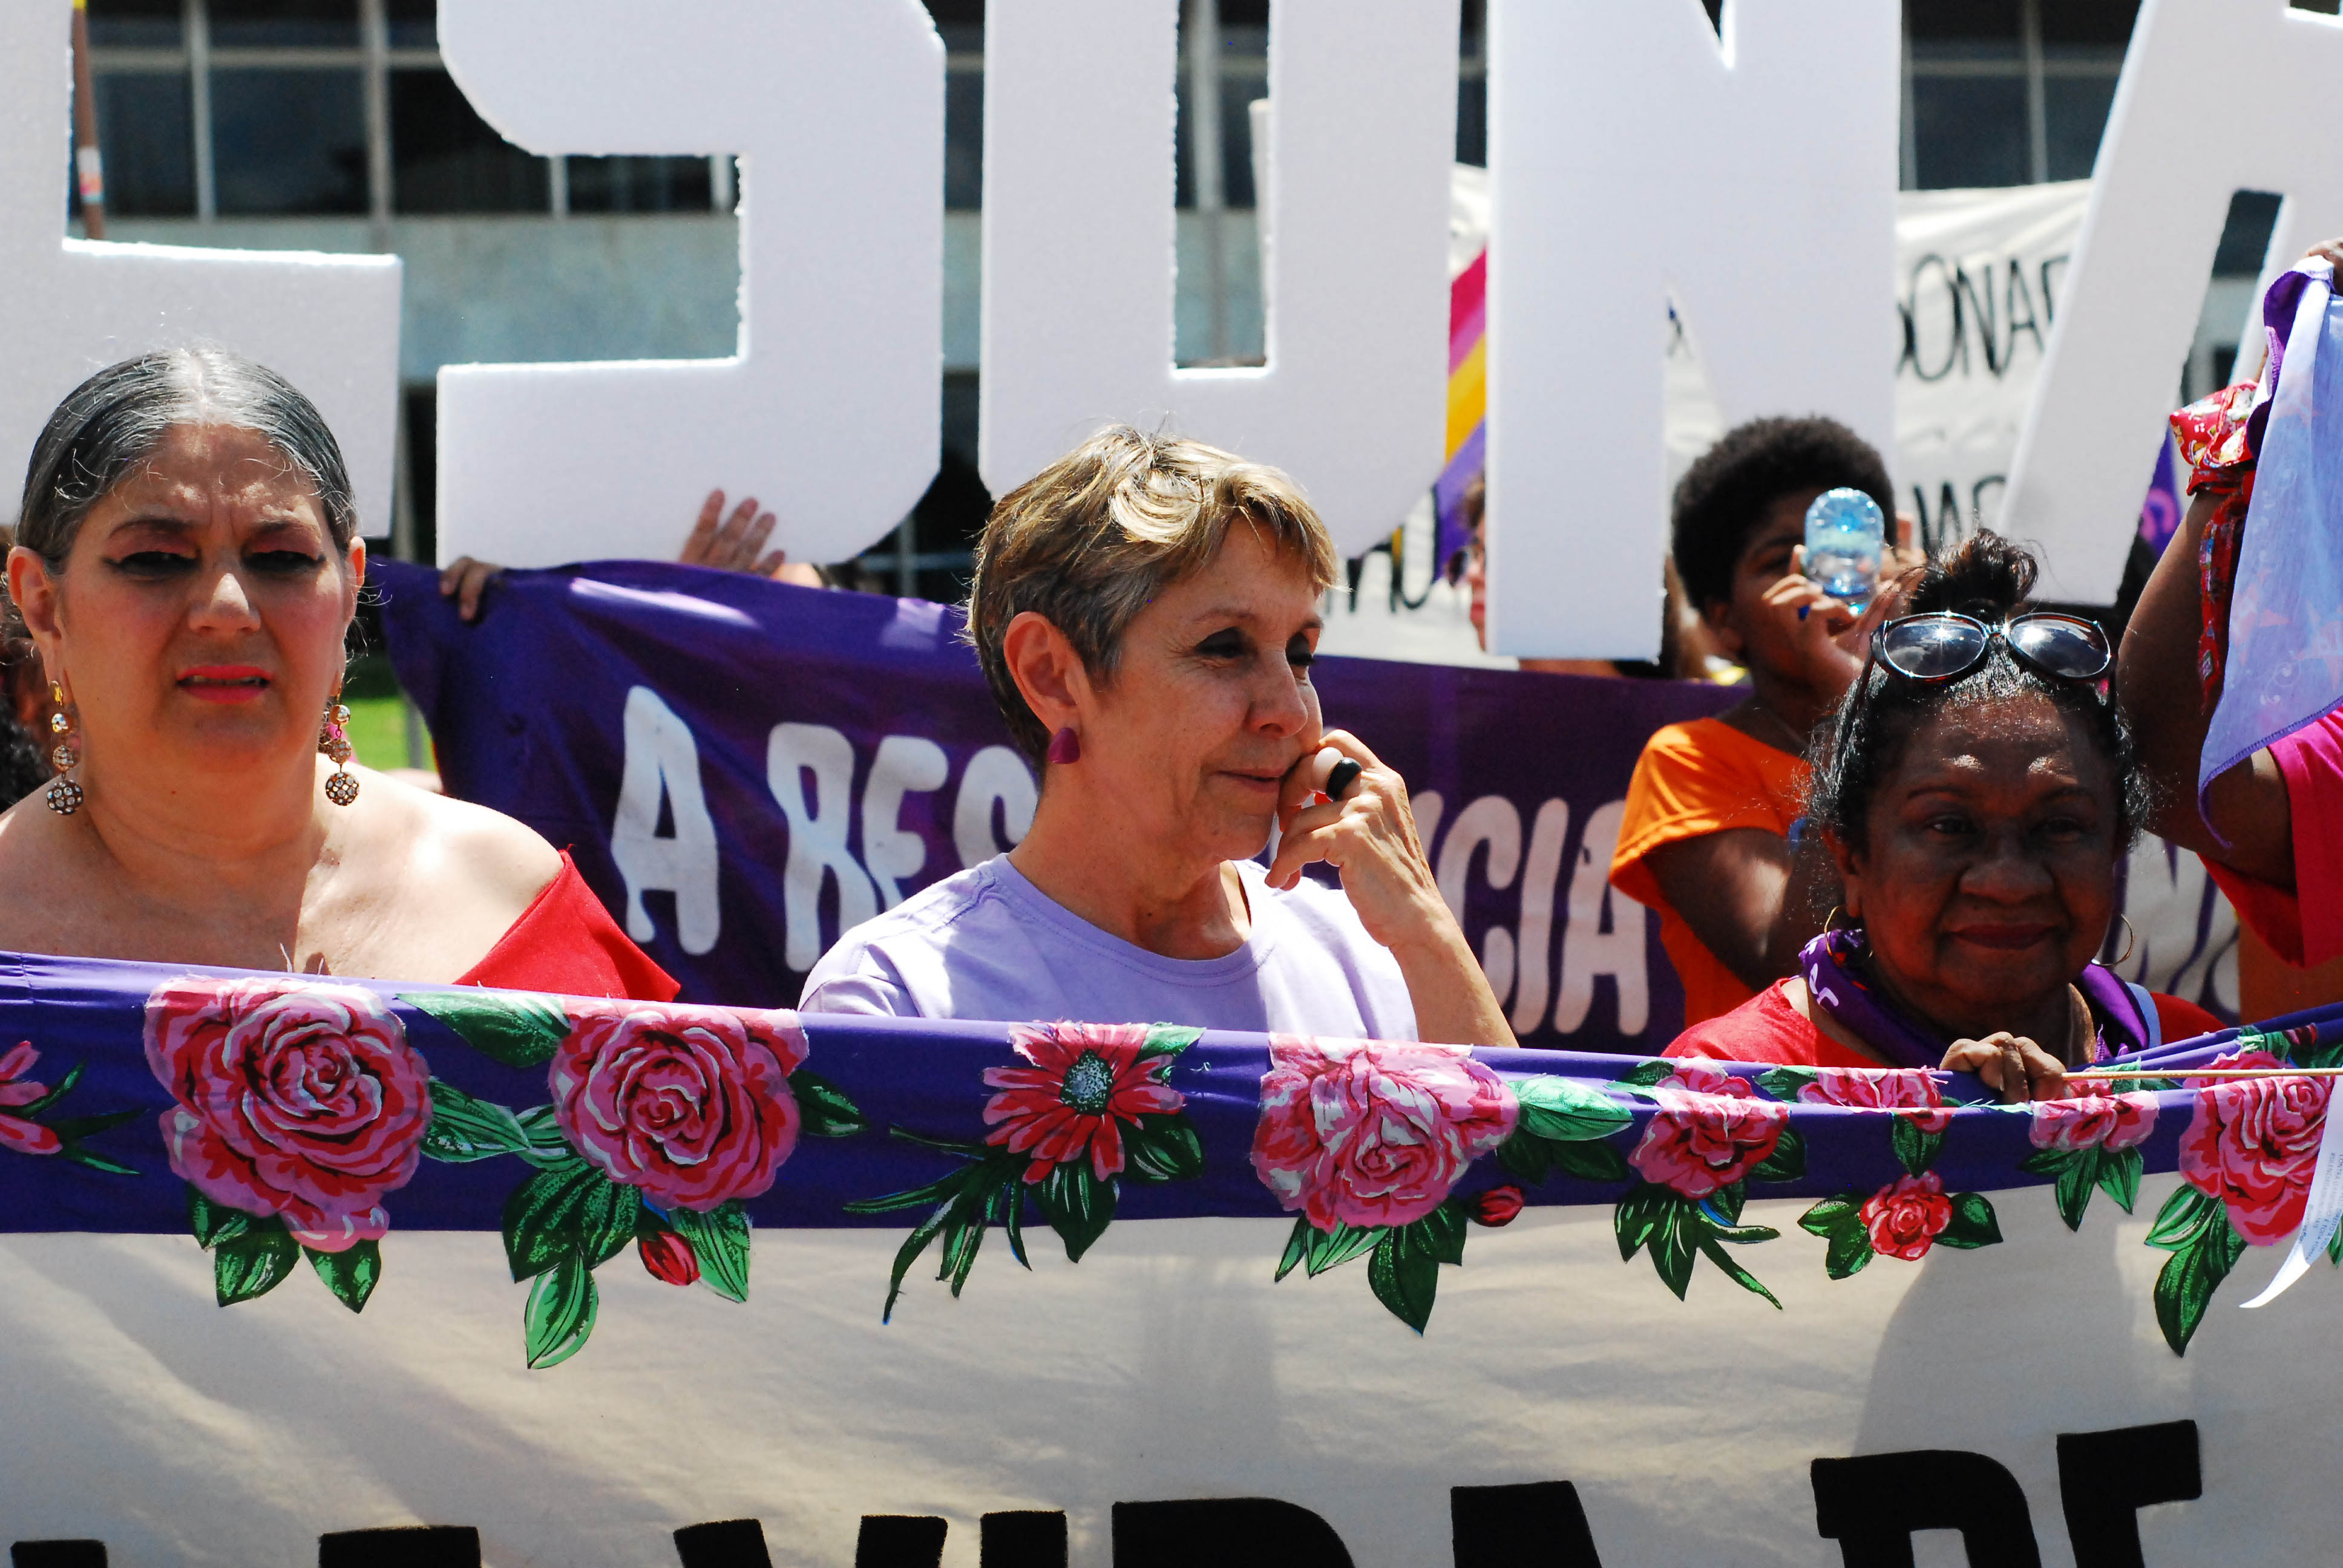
(1146, 611)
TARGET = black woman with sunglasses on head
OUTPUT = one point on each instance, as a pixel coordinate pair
(1975, 791)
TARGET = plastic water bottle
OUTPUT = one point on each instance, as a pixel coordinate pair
(1846, 533)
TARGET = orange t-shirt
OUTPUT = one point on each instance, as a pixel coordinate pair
(1692, 780)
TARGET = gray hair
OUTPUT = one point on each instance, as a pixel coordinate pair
(112, 422)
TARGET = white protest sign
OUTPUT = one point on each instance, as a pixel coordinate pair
(329, 324)
(1078, 246)
(828, 411)
(1166, 1365)
(2168, 163)
(1637, 157)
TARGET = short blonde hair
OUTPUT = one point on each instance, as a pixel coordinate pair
(1090, 541)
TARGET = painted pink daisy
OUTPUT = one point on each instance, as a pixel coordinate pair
(1086, 1080)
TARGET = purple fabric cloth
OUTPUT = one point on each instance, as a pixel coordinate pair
(988, 943)
(1831, 965)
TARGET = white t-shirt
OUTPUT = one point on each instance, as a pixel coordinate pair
(988, 944)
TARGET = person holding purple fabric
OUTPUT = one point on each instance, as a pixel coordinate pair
(1146, 611)
(1977, 791)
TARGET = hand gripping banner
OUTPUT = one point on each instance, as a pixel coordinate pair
(288, 1256)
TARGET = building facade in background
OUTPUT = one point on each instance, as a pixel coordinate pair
(332, 124)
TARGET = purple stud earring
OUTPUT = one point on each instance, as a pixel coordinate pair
(1065, 747)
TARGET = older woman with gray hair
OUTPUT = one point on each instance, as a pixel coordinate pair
(186, 566)
(1146, 611)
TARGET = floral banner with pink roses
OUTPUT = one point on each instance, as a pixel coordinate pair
(274, 1120)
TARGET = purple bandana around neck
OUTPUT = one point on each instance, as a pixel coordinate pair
(1829, 966)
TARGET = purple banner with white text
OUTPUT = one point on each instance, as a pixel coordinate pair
(743, 769)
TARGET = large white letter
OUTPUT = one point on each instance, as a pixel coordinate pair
(663, 761)
(817, 835)
(1547, 834)
(2130, 303)
(907, 765)
(1631, 159)
(329, 324)
(1496, 821)
(996, 775)
(1079, 232)
(1587, 949)
(827, 410)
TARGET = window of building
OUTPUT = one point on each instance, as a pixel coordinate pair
(2008, 91)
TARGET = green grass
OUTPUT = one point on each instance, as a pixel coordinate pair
(378, 715)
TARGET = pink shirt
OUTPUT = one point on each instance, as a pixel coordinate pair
(2304, 927)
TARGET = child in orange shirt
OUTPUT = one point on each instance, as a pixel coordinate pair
(1706, 838)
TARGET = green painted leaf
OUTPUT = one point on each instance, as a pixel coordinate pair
(1646, 1074)
(1568, 1111)
(2334, 1247)
(1784, 1084)
(31, 1110)
(1440, 1233)
(350, 1274)
(464, 1128)
(1013, 1219)
(1589, 1161)
(962, 1238)
(1404, 1276)
(2049, 1162)
(720, 1240)
(2187, 1213)
(1297, 1247)
(212, 1223)
(1332, 1249)
(569, 1211)
(74, 1154)
(823, 1108)
(925, 1231)
(1914, 1150)
(2310, 1052)
(517, 1030)
(939, 1189)
(1077, 1204)
(1849, 1250)
(560, 1312)
(1529, 1157)
(1163, 1147)
(1973, 1224)
(1724, 1203)
(72, 1129)
(2119, 1171)
(1670, 1224)
(1736, 1272)
(1741, 1235)
(2205, 1247)
(1168, 1040)
(1787, 1163)
(254, 1262)
(2074, 1185)
(1832, 1214)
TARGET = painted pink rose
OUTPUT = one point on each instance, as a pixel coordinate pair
(18, 1090)
(1883, 1088)
(296, 1098)
(1711, 1128)
(1085, 1081)
(2253, 1144)
(2093, 1121)
(1374, 1132)
(669, 1257)
(690, 1104)
(1905, 1218)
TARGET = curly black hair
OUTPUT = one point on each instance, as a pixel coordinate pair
(1991, 578)
(1722, 498)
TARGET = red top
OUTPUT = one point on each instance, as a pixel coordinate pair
(2303, 926)
(1767, 1029)
(566, 943)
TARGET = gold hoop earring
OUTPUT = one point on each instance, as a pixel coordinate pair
(334, 740)
(2130, 938)
(64, 795)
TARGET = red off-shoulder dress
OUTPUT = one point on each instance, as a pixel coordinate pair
(565, 942)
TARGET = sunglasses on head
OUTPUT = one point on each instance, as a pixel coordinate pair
(1943, 646)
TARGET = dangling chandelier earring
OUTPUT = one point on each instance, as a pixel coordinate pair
(63, 795)
(333, 740)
